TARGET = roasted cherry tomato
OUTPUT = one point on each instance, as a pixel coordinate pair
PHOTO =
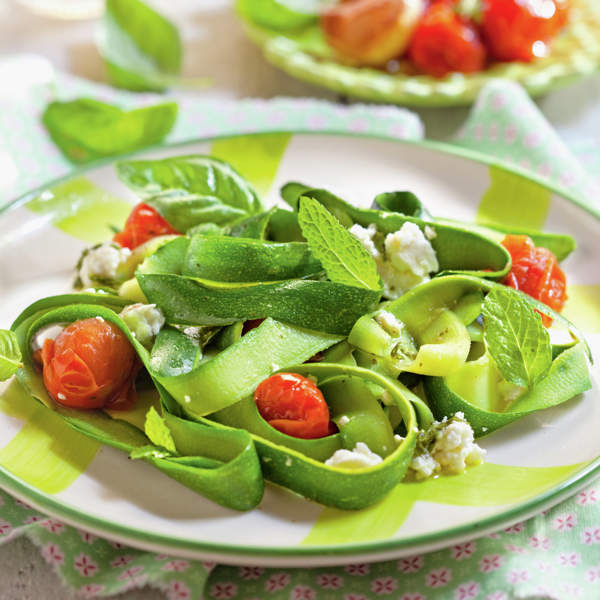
(371, 32)
(91, 364)
(444, 43)
(535, 271)
(143, 224)
(294, 405)
(521, 29)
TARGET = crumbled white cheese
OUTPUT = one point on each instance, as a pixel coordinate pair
(389, 323)
(101, 264)
(92, 290)
(411, 256)
(144, 321)
(406, 259)
(359, 458)
(424, 465)
(365, 237)
(455, 448)
(399, 439)
(343, 420)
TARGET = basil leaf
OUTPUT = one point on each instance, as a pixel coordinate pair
(516, 338)
(86, 129)
(280, 14)
(158, 432)
(194, 174)
(184, 211)
(141, 49)
(10, 354)
(341, 254)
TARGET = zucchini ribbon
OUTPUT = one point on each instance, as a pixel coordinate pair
(221, 447)
(443, 341)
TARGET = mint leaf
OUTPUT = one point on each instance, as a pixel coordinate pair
(10, 354)
(158, 432)
(86, 129)
(141, 49)
(516, 338)
(341, 254)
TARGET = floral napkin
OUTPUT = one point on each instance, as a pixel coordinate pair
(555, 555)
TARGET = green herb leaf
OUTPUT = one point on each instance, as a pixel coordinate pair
(516, 338)
(195, 174)
(86, 129)
(141, 49)
(341, 254)
(281, 14)
(185, 211)
(10, 354)
(158, 432)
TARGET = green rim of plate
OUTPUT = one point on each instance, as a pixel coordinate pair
(575, 53)
(303, 555)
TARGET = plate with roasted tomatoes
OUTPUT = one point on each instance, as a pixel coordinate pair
(427, 52)
(238, 350)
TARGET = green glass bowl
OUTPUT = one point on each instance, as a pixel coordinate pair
(304, 54)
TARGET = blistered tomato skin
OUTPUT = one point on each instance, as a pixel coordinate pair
(91, 364)
(444, 43)
(143, 224)
(294, 405)
(521, 30)
(535, 271)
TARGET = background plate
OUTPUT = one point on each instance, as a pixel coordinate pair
(530, 465)
(304, 54)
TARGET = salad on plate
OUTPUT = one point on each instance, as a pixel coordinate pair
(332, 350)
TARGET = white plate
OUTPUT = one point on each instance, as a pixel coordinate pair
(531, 464)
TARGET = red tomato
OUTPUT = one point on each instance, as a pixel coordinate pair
(293, 405)
(91, 364)
(521, 29)
(444, 42)
(535, 271)
(143, 224)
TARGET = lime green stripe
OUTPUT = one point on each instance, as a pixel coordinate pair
(81, 209)
(513, 201)
(46, 452)
(256, 157)
(378, 522)
(486, 485)
(583, 307)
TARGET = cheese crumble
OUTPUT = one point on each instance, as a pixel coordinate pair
(360, 457)
(404, 260)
